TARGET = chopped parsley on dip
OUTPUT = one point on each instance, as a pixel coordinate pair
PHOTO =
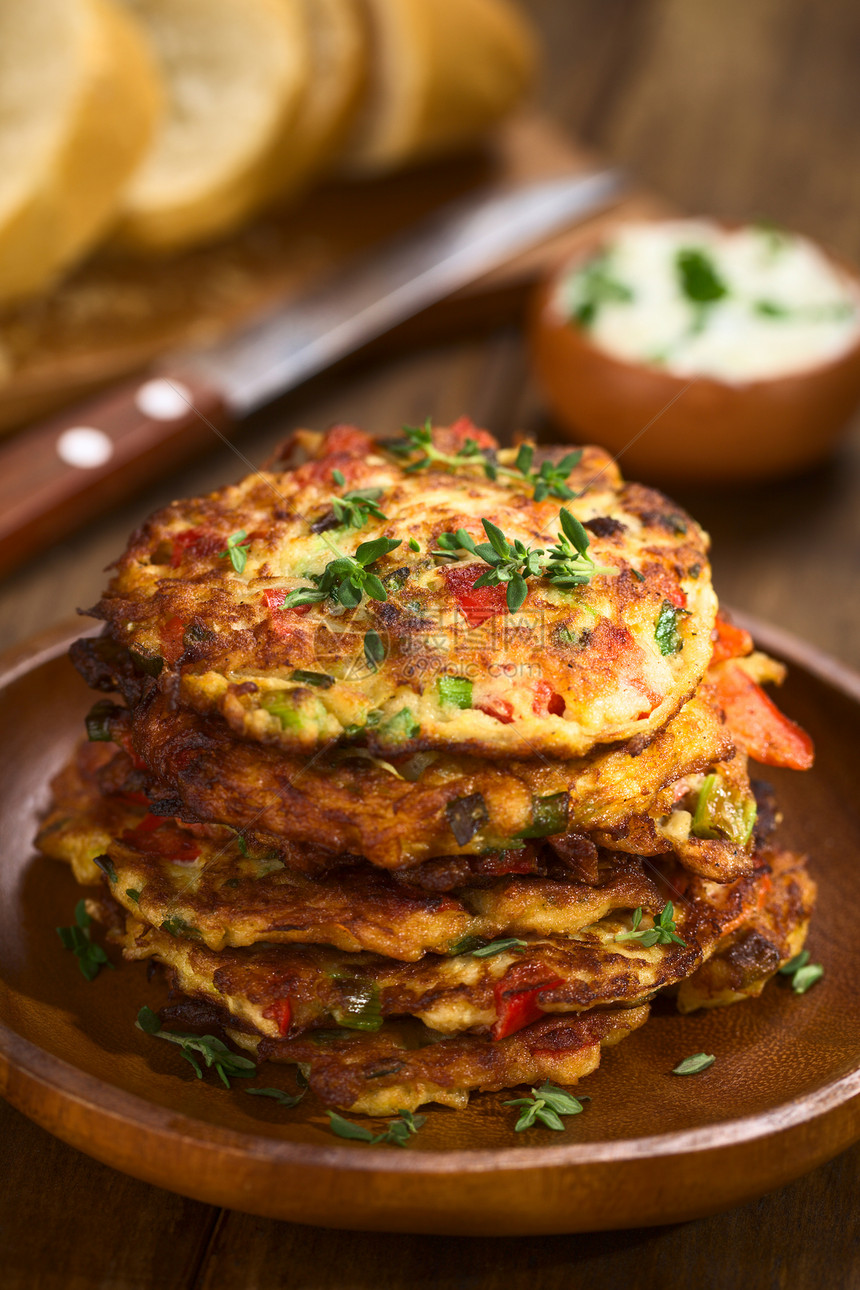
(696, 299)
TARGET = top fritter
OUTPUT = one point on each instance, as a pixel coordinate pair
(434, 592)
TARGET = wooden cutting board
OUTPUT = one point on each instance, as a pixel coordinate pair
(115, 315)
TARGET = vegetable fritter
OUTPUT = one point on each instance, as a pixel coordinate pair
(296, 606)
(281, 990)
(398, 814)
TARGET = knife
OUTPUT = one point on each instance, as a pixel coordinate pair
(58, 473)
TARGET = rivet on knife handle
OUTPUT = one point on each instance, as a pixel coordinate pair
(75, 465)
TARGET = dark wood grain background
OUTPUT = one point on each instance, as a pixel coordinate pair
(740, 108)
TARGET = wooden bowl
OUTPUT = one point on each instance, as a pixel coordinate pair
(666, 427)
(650, 1148)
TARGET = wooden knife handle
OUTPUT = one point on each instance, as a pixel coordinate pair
(59, 473)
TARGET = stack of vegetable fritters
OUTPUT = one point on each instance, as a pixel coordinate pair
(426, 766)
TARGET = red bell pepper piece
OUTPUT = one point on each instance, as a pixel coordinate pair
(476, 604)
(281, 1013)
(757, 724)
(172, 642)
(195, 541)
(517, 1008)
(498, 708)
(347, 439)
(547, 701)
(451, 439)
(729, 641)
(164, 838)
(274, 598)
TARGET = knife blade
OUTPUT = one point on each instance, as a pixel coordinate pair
(63, 471)
(447, 251)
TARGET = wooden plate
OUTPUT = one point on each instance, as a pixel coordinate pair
(781, 1098)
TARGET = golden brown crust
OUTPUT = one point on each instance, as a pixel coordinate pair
(212, 884)
(572, 669)
(380, 1074)
(359, 806)
(281, 989)
(750, 956)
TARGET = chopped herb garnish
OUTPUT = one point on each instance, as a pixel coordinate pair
(499, 947)
(286, 1100)
(830, 312)
(466, 816)
(549, 481)
(666, 632)
(663, 932)
(91, 957)
(242, 844)
(214, 1052)
(466, 945)
(593, 287)
(374, 650)
(546, 1105)
(397, 1134)
(698, 276)
(803, 973)
(106, 865)
(236, 551)
(794, 965)
(145, 661)
(98, 721)
(806, 977)
(770, 309)
(133, 894)
(692, 1065)
(413, 545)
(177, 926)
(321, 680)
(347, 578)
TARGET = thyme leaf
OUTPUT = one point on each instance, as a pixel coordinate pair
(546, 1105)
(213, 1051)
(664, 931)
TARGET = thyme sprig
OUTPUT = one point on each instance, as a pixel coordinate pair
(664, 931)
(547, 1105)
(565, 565)
(397, 1134)
(346, 578)
(236, 550)
(214, 1052)
(549, 481)
(354, 509)
(91, 957)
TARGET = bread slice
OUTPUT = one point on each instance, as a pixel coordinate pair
(338, 75)
(236, 72)
(79, 98)
(443, 71)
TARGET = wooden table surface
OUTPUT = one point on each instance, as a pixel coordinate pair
(743, 108)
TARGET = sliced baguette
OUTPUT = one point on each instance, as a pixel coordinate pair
(80, 95)
(236, 72)
(338, 74)
(443, 71)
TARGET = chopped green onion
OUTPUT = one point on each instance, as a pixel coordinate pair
(549, 815)
(454, 691)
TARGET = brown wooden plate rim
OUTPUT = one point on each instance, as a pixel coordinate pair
(20, 1060)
